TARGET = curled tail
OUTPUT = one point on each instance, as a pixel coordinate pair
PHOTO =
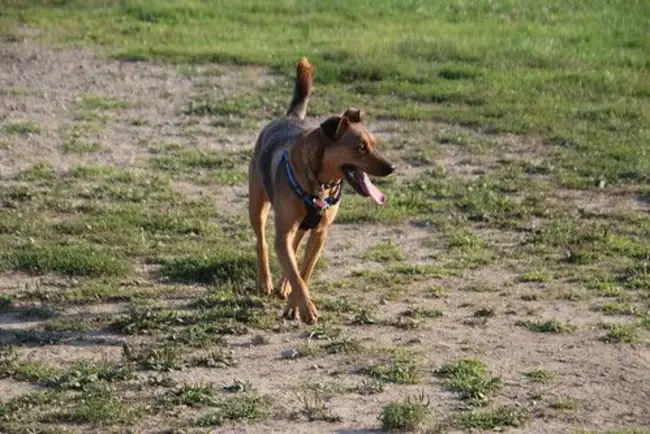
(302, 89)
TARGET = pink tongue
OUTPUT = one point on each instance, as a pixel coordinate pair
(373, 191)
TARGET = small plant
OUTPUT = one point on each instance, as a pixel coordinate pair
(193, 396)
(166, 358)
(540, 375)
(370, 386)
(343, 346)
(239, 408)
(217, 358)
(470, 379)
(564, 403)
(494, 418)
(407, 415)
(551, 326)
(384, 252)
(314, 407)
(621, 333)
(21, 128)
(401, 368)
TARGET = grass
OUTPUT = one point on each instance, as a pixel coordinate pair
(21, 128)
(74, 260)
(407, 415)
(550, 326)
(165, 240)
(241, 408)
(401, 367)
(470, 379)
(494, 418)
(427, 59)
(540, 375)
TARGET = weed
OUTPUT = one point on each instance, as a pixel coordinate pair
(165, 359)
(493, 418)
(540, 375)
(470, 379)
(314, 407)
(401, 368)
(21, 128)
(193, 396)
(407, 415)
(240, 408)
(621, 333)
(550, 326)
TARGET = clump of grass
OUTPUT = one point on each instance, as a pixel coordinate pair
(407, 415)
(216, 358)
(99, 102)
(314, 407)
(70, 260)
(21, 128)
(384, 252)
(86, 375)
(550, 326)
(193, 395)
(344, 346)
(226, 266)
(540, 375)
(98, 408)
(469, 378)
(165, 359)
(536, 276)
(145, 319)
(240, 408)
(564, 403)
(494, 418)
(617, 308)
(621, 333)
(401, 368)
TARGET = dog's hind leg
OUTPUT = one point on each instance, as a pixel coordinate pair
(258, 212)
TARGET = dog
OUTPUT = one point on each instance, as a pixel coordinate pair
(299, 171)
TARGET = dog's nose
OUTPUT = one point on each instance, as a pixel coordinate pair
(388, 169)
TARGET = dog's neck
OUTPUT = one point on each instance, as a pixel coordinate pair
(306, 157)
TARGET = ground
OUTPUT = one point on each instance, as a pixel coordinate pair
(495, 290)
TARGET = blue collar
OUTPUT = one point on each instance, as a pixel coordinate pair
(310, 200)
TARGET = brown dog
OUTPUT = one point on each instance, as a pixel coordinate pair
(299, 172)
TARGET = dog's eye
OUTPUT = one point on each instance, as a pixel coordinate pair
(362, 149)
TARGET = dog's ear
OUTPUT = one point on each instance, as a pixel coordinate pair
(330, 126)
(343, 126)
(354, 114)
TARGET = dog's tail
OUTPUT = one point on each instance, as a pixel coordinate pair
(302, 89)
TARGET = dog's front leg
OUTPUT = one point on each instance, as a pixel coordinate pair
(283, 289)
(299, 301)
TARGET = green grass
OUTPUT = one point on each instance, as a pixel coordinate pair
(21, 128)
(400, 367)
(73, 260)
(540, 375)
(407, 415)
(494, 418)
(552, 71)
(241, 408)
(550, 326)
(470, 379)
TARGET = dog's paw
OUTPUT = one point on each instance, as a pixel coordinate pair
(266, 287)
(290, 313)
(308, 312)
(283, 289)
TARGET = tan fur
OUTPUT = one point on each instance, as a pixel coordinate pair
(316, 156)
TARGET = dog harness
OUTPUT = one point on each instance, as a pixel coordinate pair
(315, 205)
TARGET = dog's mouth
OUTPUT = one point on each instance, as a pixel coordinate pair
(361, 183)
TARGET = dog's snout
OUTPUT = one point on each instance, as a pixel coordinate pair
(387, 169)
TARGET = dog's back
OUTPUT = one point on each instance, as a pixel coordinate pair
(277, 135)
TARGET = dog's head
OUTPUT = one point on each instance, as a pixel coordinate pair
(352, 154)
